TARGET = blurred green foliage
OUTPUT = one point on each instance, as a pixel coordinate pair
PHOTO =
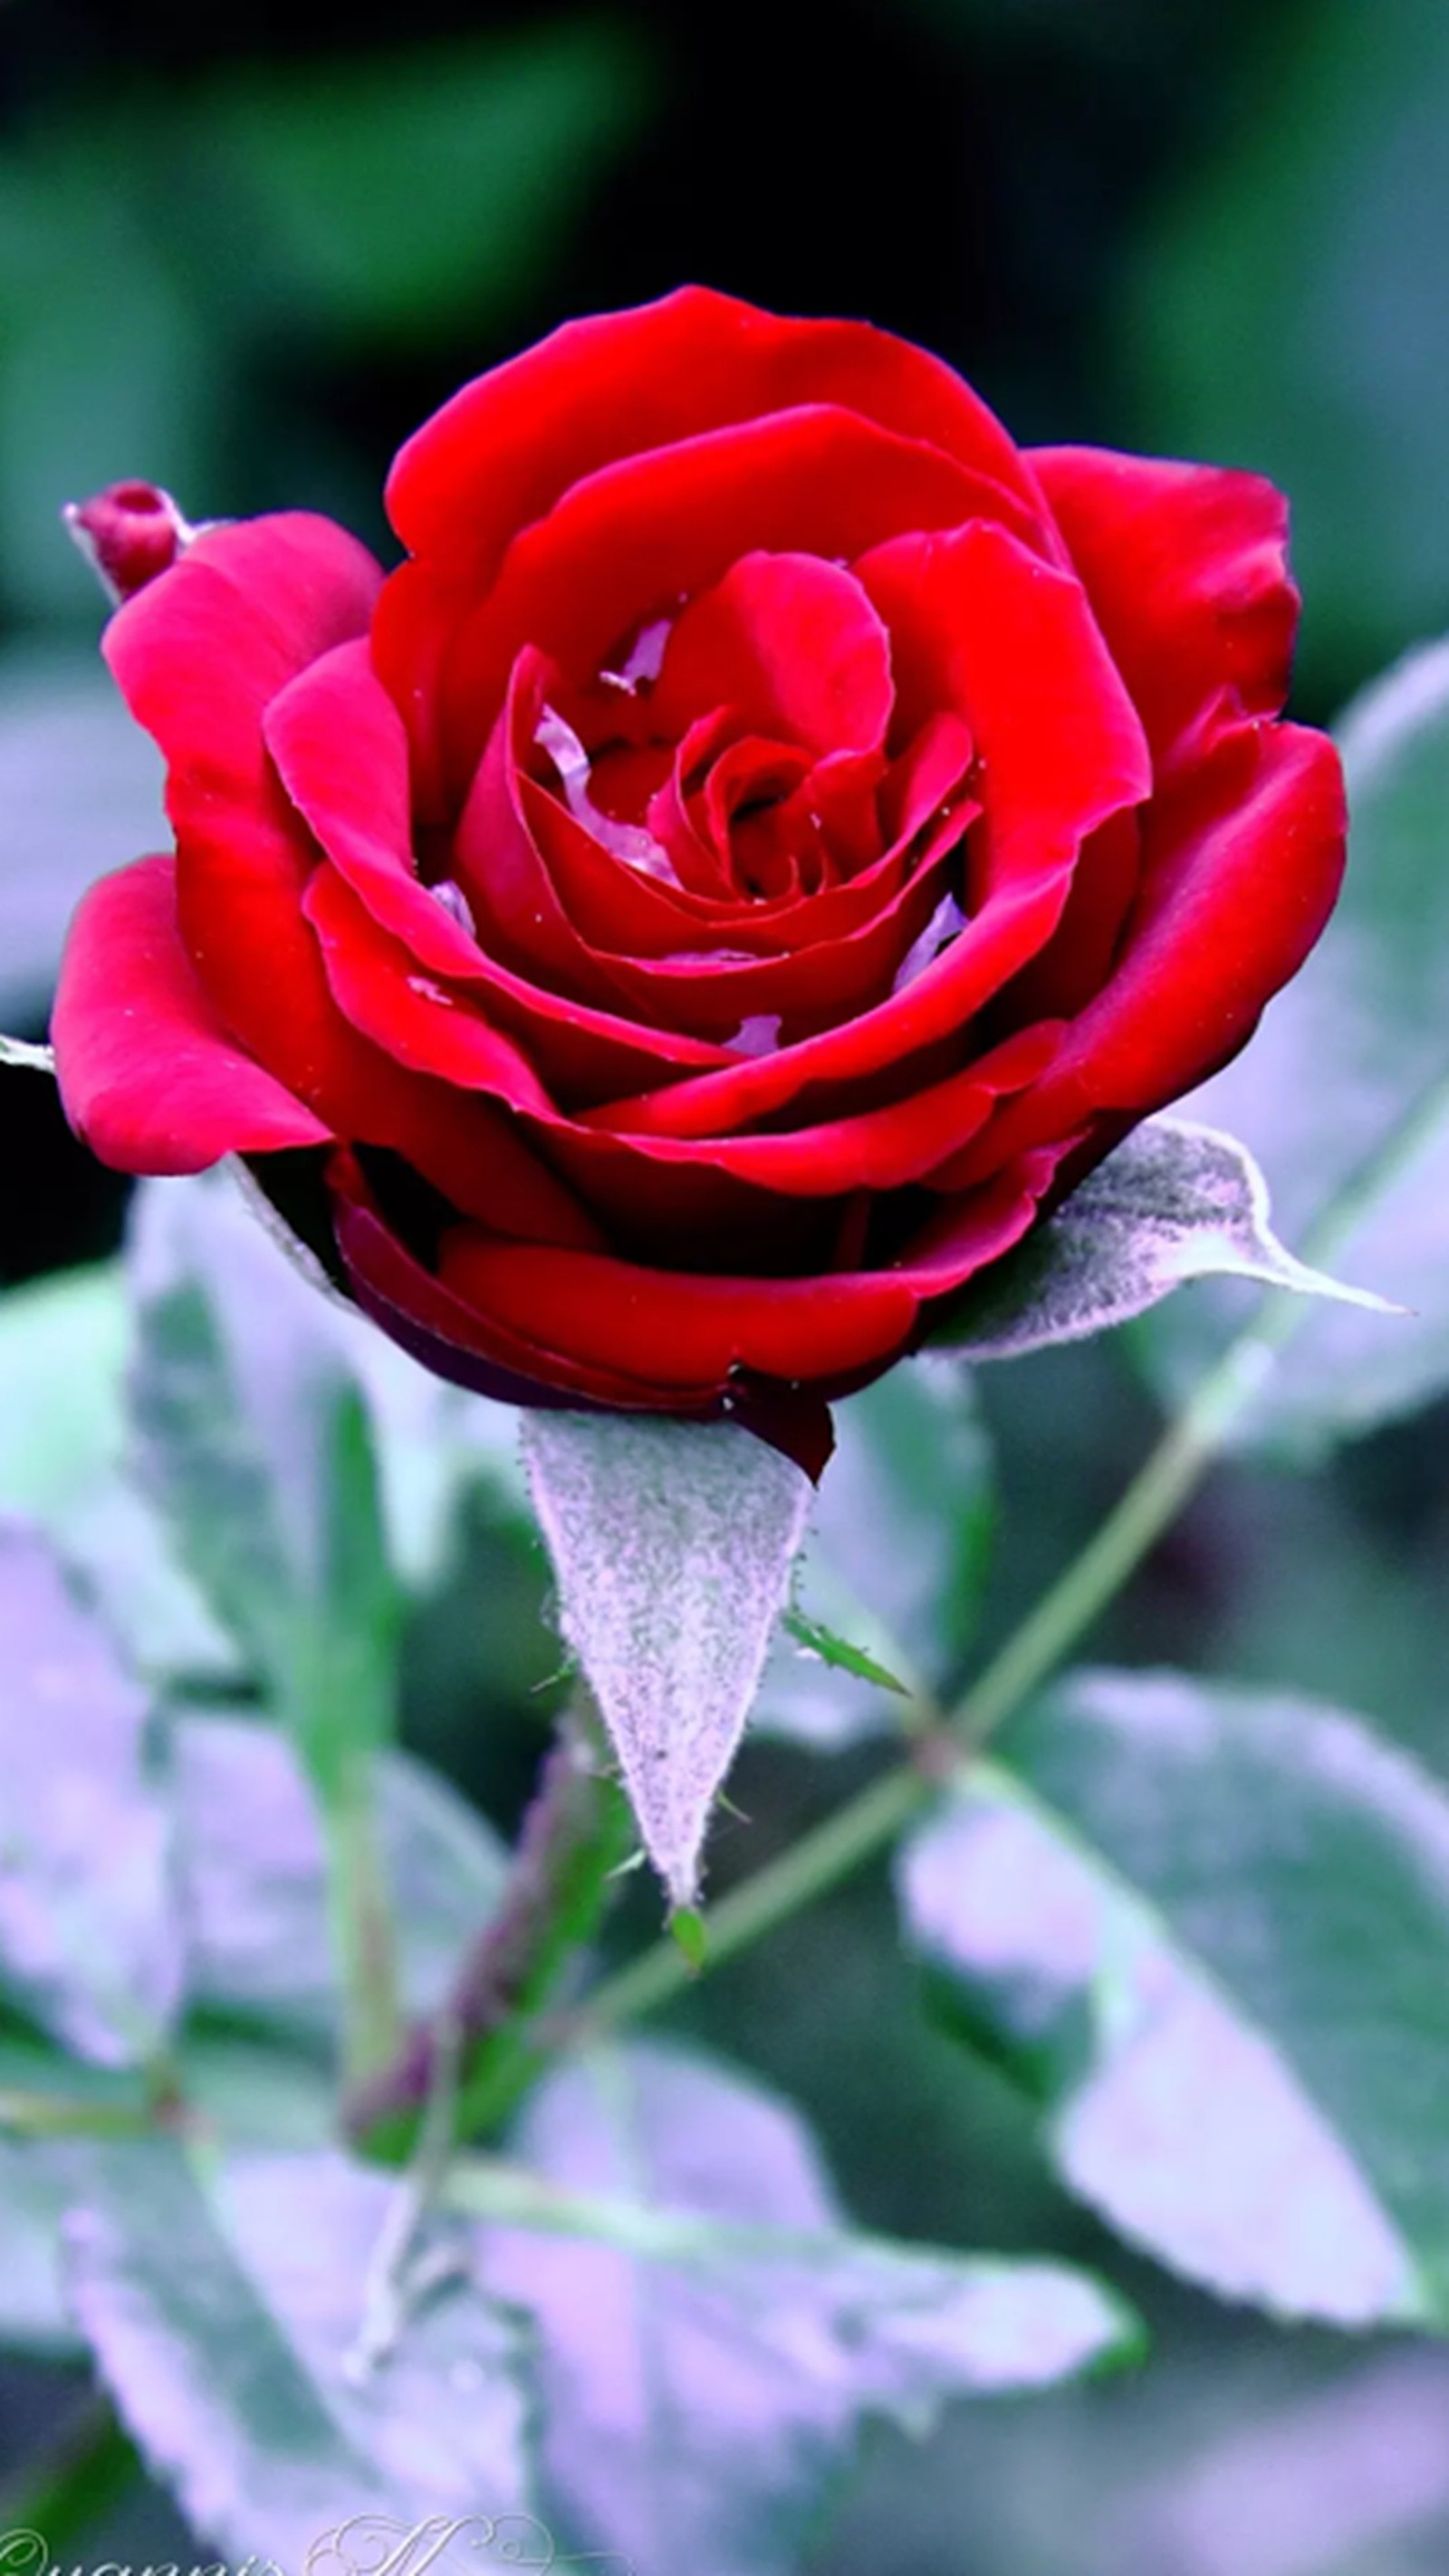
(160, 248)
(1286, 310)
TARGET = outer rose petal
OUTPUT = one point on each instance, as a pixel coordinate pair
(677, 1330)
(1080, 953)
(342, 755)
(148, 1074)
(501, 452)
(200, 655)
(275, 593)
(674, 1329)
(1241, 876)
(471, 1350)
(1185, 568)
(1228, 913)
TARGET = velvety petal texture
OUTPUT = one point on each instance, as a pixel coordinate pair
(767, 838)
(130, 1000)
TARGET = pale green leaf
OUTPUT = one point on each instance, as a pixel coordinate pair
(713, 2333)
(225, 2303)
(672, 1543)
(89, 1943)
(1210, 1929)
(1176, 1202)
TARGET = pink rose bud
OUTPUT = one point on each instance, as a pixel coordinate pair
(129, 533)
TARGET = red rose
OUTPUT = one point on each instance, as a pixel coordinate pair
(769, 837)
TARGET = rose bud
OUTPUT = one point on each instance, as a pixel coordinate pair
(129, 533)
(768, 839)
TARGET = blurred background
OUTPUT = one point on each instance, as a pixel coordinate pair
(242, 252)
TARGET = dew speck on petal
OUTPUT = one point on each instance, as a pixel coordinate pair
(431, 992)
(644, 660)
(947, 919)
(455, 904)
(627, 841)
(757, 1036)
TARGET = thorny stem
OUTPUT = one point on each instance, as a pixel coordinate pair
(577, 1835)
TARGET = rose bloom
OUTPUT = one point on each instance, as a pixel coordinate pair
(765, 843)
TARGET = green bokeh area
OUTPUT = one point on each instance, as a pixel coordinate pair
(244, 258)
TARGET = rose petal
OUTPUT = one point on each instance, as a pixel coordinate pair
(200, 655)
(497, 861)
(1012, 644)
(980, 1224)
(1236, 889)
(587, 899)
(282, 589)
(577, 1055)
(536, 875)
(601, 904)
(504, 449)
(672, 1328)
(1240, 875)
(753, 770)
(457, 1343)
(682, 1331)
(258, 603)
(392, 1284)
(879, 1149)
(811, 987)
(1080, 953)
(341, 752)
(794, 649)
(1185, 568)
(148, 1075)
(695, 996)
(421, 1023)
(639, 536)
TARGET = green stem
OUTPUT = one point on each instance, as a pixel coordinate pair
(577, 1836)
(500, 2194)
(809, 1869)
(1146, 1510)
(93, 2467)
(361, 1918)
